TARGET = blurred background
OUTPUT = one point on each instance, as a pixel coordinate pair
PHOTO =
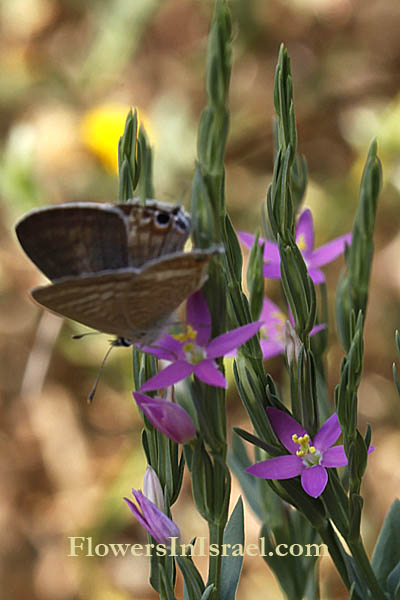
(70, 71)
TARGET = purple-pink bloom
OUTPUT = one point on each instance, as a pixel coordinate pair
(314, 258)
(166, 416)
(193, 352)
(273, 331)
(156, 523)
(308, 458)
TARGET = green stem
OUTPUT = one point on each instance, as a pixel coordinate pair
(361, 559)
(216, 535)
(336, 551)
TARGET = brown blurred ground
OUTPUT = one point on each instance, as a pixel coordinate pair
(64, 466)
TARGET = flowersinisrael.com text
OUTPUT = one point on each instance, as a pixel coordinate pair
(86, 546)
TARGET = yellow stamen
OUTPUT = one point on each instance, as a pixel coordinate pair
(303, 442)
(189, 334)
(301, 242)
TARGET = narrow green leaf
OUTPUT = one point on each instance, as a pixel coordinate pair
(193, 583)
(208, 592)
(238, 461)
(386, 554)
(232, 565)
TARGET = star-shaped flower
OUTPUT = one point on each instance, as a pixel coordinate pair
(274, 330)
(193, 351)
(305, 241)
(308, 458)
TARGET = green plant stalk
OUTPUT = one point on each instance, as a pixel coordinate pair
(216, 535)
(301, 292)
(364, 566)
(336, 551)
(208, 216)
(135, 172)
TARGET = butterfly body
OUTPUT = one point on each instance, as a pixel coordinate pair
(119, 269)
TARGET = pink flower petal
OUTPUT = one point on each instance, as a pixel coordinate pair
(169, 418)
(285, 426)
(272, 270)
(305, 233)
(208, 372)
(314, 480)
(316, 275)
(271, 252)
(279, 467)
(328, 252)
(198, 315)
(161, 527)
(334, 457)
(327, 434)
(271, 348)
(235, 338)
(172, 374)
(165, 348)
(269, 313)
(317, 328)
(136, 512)
(247, 239)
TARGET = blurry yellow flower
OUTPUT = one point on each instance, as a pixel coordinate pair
(101, 128)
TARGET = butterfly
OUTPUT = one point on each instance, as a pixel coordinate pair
(117, 268)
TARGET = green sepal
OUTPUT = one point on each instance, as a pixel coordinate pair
(233, 250)
(145, 160)
(211, 485)
(128, 162)
(202, 214)
(352, 291)
(356, 504)
(299, 289)
(255, 279)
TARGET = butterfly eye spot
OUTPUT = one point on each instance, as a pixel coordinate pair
(162, 219)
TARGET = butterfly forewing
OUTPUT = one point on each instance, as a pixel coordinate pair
(82, 238)
(68, 240)
(118, 268)
(130, 303)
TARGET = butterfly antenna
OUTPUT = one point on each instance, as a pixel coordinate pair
(79, 336)
(94, 387)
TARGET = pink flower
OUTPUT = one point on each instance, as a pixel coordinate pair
(274, 331)
(305, 241)
(308, 458)
(193, 352)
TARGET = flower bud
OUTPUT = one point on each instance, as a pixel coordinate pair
(169, 418)
(152, 488)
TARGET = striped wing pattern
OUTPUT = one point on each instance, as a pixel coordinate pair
(69, 240)
(131, 303)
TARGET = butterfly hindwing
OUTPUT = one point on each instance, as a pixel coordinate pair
(128, 302)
